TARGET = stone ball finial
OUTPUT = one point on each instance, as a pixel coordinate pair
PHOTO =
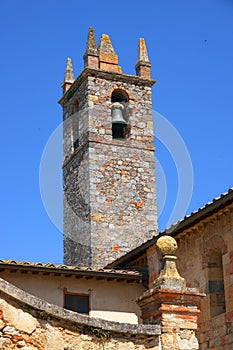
(166, 245)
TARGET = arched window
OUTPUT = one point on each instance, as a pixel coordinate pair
(119, 101)
(119, 95)
(216, 283)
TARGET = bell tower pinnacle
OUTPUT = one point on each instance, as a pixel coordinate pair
(108, 157)
(68, 76)
(142, 65)
(90, 57)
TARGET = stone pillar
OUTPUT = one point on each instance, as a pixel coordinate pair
(142, 65)
(170, 303)
(91, 57)
(108, 59)
(68, 76)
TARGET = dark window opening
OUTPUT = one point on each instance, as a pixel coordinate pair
(118, 131)
(77, 302)
(76, 144)
(119, 95)
(216, 284)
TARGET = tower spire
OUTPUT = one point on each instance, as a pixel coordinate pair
(105, 45)
(143, 64)
(108, 59)
(68, 76)
(90, 57)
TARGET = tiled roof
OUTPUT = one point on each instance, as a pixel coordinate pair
(68, 270)
(216, 204)
(208, 208)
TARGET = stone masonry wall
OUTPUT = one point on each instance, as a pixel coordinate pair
(122, 200)
(76, 201)
(109, 184)
(212, 234)
(29, 323)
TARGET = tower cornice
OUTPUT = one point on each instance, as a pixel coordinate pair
(107, 75)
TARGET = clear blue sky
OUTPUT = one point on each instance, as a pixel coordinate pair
(191, 50)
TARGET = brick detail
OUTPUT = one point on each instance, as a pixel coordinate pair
(91, 61)
(143, 70)
(213, 232)
(176, 312)
(108, 58)
(110, 67)
(109, 184)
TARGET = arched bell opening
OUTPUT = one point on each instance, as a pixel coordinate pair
(119, 101)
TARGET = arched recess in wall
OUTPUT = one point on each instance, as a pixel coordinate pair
(75, 122)
(120, 125)
(216, 289)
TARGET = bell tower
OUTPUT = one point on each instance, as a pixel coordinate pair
(108, 165)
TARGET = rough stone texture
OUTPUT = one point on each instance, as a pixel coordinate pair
(108, 60)
(43, 326)
(170, 303)
(143, 65)
(109, 184)
(169, 278)
(90, 57)
(68, 76)
(212, 234)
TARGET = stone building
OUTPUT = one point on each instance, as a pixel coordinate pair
(108, 171)
(205, 260)
(124, 285)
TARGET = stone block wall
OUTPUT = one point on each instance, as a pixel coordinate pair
(109, 184)
(211, 235)
(76, 208)
(122, 198)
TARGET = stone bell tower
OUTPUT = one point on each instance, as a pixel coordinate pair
(108, 169)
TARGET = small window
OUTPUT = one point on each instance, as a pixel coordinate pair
(77, 302)
(216, 283)
(76, 144)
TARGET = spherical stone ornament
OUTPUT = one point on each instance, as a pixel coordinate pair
(166, 245)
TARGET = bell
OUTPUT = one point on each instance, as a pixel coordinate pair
(117, 113)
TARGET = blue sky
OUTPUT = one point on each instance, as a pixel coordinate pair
(191, 50)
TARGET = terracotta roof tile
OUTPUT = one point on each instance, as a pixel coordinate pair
(65, 268)
(196, 215)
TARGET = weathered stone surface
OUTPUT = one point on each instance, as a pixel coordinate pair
(109, 183)
(10, 330)
(166, 245)
(212, 233)
(57, 328)
(54, 338)
(142, 65)
(169, 278)
(23, 321)
(170, 303)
